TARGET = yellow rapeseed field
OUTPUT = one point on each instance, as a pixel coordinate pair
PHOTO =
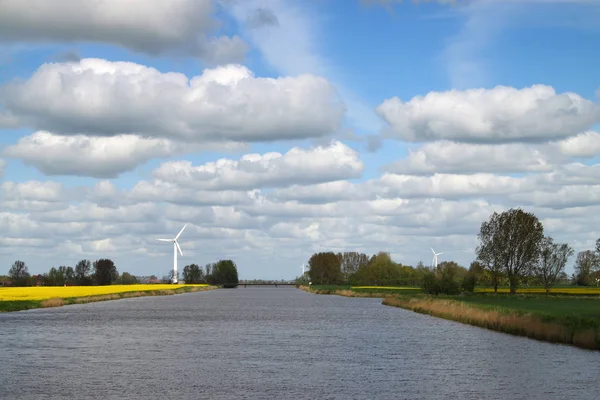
(64, 292)
(560, 290)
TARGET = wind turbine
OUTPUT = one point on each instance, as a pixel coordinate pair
(302, 268)
(175, 248)
(435, 259)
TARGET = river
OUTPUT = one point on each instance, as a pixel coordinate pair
(275, 343)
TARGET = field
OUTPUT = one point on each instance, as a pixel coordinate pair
(22, 298)
(564, 290)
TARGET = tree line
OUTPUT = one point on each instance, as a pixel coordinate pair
(104, 272)
(85, 273)
(512, 251)
(223, 273)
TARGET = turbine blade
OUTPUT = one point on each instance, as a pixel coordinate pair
(165, 240)
(179, 248)
(180, 232)
(432, 250)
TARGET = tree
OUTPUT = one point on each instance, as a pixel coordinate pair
(128, 279)
(552, 262)
(19, 273)
(192, 274)
(82, 272)
(105, 271)
(324, 268)
(225, 273)
(510, 242)
(585, 265)
(69, 275)
(351, 262)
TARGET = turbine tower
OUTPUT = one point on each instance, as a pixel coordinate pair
(302, 268)
(435, 259)
(175, 248)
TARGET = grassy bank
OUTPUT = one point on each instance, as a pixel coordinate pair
(24, 298)
(554, 319)
(360, 291)
(568, 318)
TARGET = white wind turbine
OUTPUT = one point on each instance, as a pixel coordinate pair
(175, 248)
(435, 258)
(302, 269)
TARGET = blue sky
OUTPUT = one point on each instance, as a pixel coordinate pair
(442, 62)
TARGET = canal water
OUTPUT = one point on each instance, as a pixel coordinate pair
(275, 343)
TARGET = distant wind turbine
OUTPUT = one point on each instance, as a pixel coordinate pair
(435, 258)
(175, 248)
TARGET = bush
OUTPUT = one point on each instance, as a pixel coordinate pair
(468, 283)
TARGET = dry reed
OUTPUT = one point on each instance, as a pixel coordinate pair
(528, 325)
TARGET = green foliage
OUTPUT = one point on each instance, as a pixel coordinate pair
(193, 274)
(19, 274)
(325, 269)
(552, 262)
(430, 284)
(585, 267)
(225, 273)
(105, 272)
(510, 244)
(83, 270)
(127, 279)
(468, 283)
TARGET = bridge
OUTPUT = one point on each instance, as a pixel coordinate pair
(275, 284)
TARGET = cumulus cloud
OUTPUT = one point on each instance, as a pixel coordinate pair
(455, 158)
(499, 115)
(303, 166)
(465, 158)
(33, 196)
(156, 27)
(98, 157)
(2, 167)
(585, 145)
(107, 98)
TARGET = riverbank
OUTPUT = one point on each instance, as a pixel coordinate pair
(557, 319)
(25, 298)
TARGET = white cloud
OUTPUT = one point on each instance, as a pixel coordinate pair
(277, 230)
(156, 27)
(498, 115)
(448, 157)
(7, 120)
(303, 166)
(446, 186)
(33, 196)
(585, 145)
(2, 167)
(451, 158)
(99, 157)
(100, 97)
(294, 46)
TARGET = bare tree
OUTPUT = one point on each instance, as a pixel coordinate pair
(510, 242)
(552, 262)
(585, 265)
(19, 273)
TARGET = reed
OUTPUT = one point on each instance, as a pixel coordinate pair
(522, 324)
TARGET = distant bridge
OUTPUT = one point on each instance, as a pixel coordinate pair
(269, 284)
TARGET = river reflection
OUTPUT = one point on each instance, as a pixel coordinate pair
(275, 343)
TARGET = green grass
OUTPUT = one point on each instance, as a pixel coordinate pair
(390, 291)
(566, 310)
(18, 305)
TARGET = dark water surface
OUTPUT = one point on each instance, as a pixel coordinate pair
(275, 343)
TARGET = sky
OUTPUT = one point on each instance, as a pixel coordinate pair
(280, 128)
